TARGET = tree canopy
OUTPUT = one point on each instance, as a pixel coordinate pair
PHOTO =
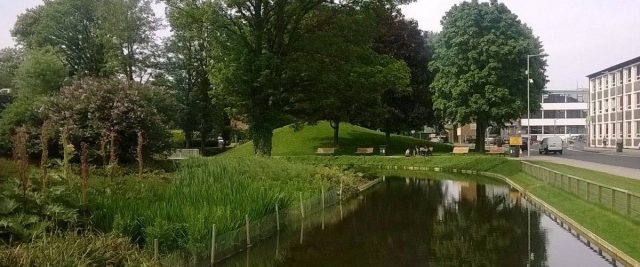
(480, 61)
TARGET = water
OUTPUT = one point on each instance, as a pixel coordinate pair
(425, 222)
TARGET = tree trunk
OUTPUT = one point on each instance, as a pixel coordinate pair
(454, 135)
(480, 135)
(335, 124)
(262, 137)
(188, 138)
(387, 137)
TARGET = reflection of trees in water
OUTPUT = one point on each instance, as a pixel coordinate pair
(398, 224)
(486, 231)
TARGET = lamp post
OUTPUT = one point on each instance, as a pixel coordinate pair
(529, 81)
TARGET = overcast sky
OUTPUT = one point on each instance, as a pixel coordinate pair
(580, 36)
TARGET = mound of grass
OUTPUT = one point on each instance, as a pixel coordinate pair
(288, 141)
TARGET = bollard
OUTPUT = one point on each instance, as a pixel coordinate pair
(301, 206)
(246, 218)
(213, 244)
(277, 218)
(322, 198)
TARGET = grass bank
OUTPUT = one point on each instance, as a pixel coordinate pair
(615, 229)
(630, 184)
(288, 141)
(210, 191)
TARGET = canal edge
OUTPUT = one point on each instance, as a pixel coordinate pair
(616, 254)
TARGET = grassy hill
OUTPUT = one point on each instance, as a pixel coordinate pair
(287, 142)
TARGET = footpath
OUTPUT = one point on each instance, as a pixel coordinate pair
(627, 152)
(615, 170)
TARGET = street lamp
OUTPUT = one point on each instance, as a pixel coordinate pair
(529, 81)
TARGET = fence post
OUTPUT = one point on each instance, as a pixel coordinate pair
(277, 218)
(577, 187)
(600, 194)
(322, 198)
(213, 244)
(155, 249)
(301, 206)
(628, 204)
(246, 219)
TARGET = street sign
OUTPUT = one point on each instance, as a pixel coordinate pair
(515, 140)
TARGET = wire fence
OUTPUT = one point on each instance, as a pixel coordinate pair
(618, 200)
(226, 244)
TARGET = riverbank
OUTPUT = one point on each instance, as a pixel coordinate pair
(611, 227)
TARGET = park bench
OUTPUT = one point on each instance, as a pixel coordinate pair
(496, 151)
(425, 151)
(364, 151)
(326, 150)
(460, 150)
(184, 154)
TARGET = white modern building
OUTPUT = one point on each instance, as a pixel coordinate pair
(614, 114)
(563, 113)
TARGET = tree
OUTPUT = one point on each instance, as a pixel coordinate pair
(344, 83)
(10, 59)
(188, 64)
(403, 40)
(127, 29)
(480, 61)
(41, 73)
(252, 40)
(69, 26)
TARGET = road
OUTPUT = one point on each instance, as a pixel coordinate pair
(607, 159)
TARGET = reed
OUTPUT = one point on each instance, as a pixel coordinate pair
(207, 191)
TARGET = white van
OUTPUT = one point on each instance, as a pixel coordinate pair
(551, 144)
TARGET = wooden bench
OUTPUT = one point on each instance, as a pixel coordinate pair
(184, 154)
(496, 151)
(326, 150)
(364, 151)
(460, 150)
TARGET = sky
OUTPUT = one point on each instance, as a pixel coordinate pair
(580, 36)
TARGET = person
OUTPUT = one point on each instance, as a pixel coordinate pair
(407, 153)
(604, 141)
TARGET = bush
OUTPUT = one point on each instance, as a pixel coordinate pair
(93, 109)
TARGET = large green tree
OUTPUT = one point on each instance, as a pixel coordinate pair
(187, 65)
(480, 61)
(344, 83)
(252, 40)
(10, 59)
(402, 39)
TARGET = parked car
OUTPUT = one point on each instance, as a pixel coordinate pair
(551, 144)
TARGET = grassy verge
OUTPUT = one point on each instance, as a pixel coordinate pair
(209, 191)
(288, 141)
(615, 229)
(630, 184)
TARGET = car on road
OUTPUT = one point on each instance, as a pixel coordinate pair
(551, 144)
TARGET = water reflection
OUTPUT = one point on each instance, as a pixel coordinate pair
(422, 222)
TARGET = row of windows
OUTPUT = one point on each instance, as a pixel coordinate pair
(559, 129)
(565, 98)
(616, 103)
(612, 128)
(627, 74)
(560, 114)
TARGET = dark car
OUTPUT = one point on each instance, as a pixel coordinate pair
(524, 146)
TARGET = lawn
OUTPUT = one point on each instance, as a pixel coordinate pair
(630, 184)
(288, 141)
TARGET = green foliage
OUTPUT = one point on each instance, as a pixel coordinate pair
(207, 191)
(25, 216)
(41, 73)
(71, 249)
(288, 141)
(10, 59)
(481, 61)
(92, 109)
(25, 111)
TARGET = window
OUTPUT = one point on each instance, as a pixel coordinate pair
(553, 98)
(536, 114)
(536, 129)
(582, 98)
(606, 129)
(600, 106)
(576, 129)
(628, 103)
(627, 72)
(637, 128)
(606, 105)
(628, 131)
(599, 84)
(572, 98)
(576, 114)
(619, 74)
(618, 103)
(637, 72)
(637, 100)
(599, 129)
(606, 82)
(554, 114)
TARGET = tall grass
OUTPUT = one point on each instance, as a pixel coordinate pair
(209, 191)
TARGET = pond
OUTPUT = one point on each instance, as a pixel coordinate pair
(406, 221)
